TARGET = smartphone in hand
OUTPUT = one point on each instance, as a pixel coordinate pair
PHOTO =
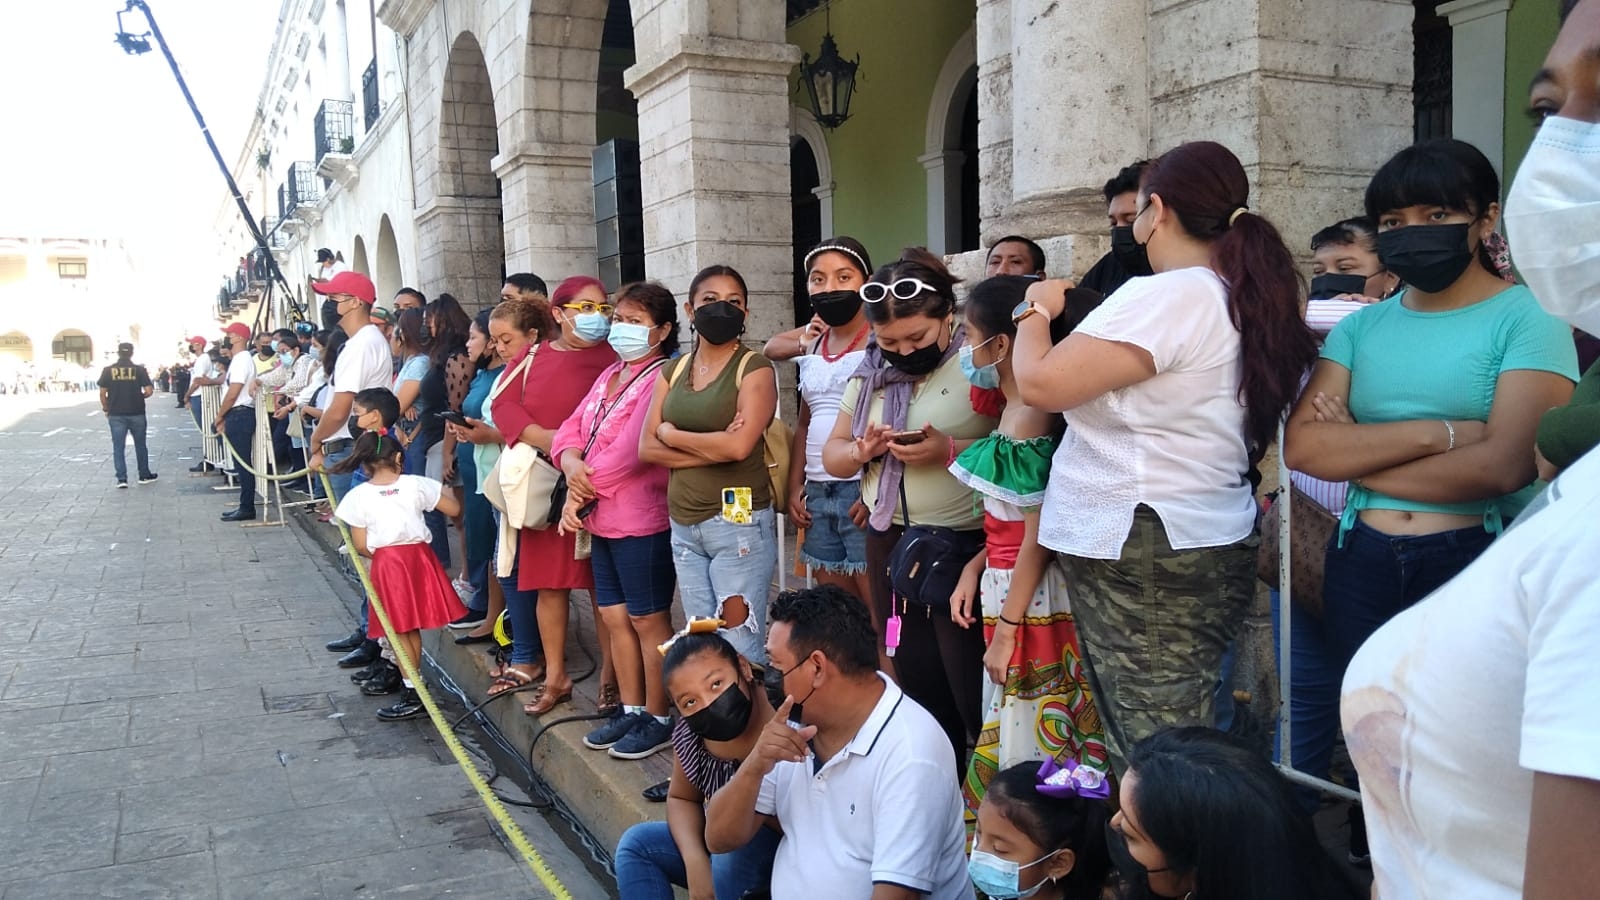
(907, 438)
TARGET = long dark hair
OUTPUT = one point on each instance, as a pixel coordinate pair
(851, 248)
(481, 322)
(991, 301)
(408, 328)
(331, 345)
(691, 645)
(713, 272)
(915, 262)
(372, 448)
(1054, 823)
(1219, 811)
(1203, 183)
(447, 329)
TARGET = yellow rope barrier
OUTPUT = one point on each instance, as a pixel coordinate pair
(497, 809)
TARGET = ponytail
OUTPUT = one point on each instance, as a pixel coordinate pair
(372, 449)
(1275, 346)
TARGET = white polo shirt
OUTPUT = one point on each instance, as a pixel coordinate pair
(886, 808)
(365, 362)
(203, 368)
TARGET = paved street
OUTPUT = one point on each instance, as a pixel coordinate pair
(170, 725)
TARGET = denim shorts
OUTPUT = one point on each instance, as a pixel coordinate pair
(833, 542)
(717, 559)
(637, 571)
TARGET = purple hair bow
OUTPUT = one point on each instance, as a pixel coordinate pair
(1072, 780)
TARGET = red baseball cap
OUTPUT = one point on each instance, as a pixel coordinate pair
(197, 339)
(239, 328)
(355, 284)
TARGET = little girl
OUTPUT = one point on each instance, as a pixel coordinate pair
(385, 518)
(1041, 833)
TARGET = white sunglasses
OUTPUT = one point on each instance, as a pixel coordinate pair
(900, 289)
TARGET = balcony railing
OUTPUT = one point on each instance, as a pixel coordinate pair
(304, 186)
(334, 128)
(285, 205)
(370, 109)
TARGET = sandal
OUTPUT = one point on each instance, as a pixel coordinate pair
(546, 700)
(609, 701)
(510, 680)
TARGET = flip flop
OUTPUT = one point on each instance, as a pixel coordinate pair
(510, 680)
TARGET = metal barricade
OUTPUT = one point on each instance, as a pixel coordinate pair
(211, 448)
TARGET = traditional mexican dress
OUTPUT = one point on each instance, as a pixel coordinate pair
(1043, 710)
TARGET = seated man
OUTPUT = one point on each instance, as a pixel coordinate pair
(1014, 255)
(862, 789)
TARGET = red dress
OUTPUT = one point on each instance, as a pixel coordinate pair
(415, 591)
(558, 380)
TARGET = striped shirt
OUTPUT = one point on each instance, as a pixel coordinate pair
(706, 772)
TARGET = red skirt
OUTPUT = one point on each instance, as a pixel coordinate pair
(545, 562)
(414, 590)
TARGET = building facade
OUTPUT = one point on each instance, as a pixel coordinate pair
(67, 300)
(659, 136)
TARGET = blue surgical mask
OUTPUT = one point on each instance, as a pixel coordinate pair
(630, 341)
(287, 357)
(997, 877)
(314, 352)
(591, 326)
(987, 377)
(274, 345)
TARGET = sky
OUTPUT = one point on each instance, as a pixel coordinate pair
(100, 143)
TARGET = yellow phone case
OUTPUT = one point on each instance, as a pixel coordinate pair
(738, 505)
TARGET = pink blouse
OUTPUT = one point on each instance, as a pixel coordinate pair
(632, 494)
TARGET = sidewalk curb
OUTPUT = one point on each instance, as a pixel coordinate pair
(603, 793)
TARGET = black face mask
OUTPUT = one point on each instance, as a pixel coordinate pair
(918, 362)
(1129, 253)
(772, 680)
(1427, 257)
(1134, 876)
(1332, 284)
(836, 307)
(719, 322)
(330, 313)
(355, 430)
(724, 718)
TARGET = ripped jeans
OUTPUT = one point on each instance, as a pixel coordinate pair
(716, 560)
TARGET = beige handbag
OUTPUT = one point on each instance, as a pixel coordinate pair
(524, 485)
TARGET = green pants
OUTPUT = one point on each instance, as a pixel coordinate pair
(1154, 625)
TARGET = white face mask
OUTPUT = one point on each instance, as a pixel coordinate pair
(1553, 221)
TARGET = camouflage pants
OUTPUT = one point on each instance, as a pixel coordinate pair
(1154, 625)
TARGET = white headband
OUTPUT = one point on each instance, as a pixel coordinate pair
(836, 248)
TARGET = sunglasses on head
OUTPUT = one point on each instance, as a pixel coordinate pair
(900, 289)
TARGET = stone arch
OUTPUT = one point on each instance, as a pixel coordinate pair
(803, 127)
(72, 345)
(387, 277)
(461, 232)
(943, 156)
(358, 256)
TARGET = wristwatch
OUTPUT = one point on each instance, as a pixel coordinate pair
(1026, 309)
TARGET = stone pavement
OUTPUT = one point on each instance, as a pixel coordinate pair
(170, 725)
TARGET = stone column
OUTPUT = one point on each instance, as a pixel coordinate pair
(1312, 107)
(712, 81)
(1478, 46)
(338, 43)
(548, 192)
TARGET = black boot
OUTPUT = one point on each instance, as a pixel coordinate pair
(360, 656)
(384, 681)
(409, 707)
(346, 644)
(366, 672)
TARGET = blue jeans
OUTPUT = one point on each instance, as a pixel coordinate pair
(648, 864)
(341, 484)
(239, 427)
(121, 427)
(438, 532)
(477, 521)
(834, 543)
(1365, 583)
(636, 571)
(522, 609)
(194, 410)
(717, 559)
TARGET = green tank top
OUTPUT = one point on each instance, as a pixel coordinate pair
(695, 495)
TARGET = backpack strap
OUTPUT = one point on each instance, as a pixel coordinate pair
(678, 370)
(744, 362)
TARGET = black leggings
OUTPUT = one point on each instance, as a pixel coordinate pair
(939, 664)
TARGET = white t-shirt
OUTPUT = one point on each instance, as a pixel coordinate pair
(1453, 704)
(1174, 442)
(242, 371)
(365, 362)
(822, 385)
(203, 368)
(391, 513)
(886, 808)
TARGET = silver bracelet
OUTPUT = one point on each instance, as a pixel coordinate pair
(1451, 429)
